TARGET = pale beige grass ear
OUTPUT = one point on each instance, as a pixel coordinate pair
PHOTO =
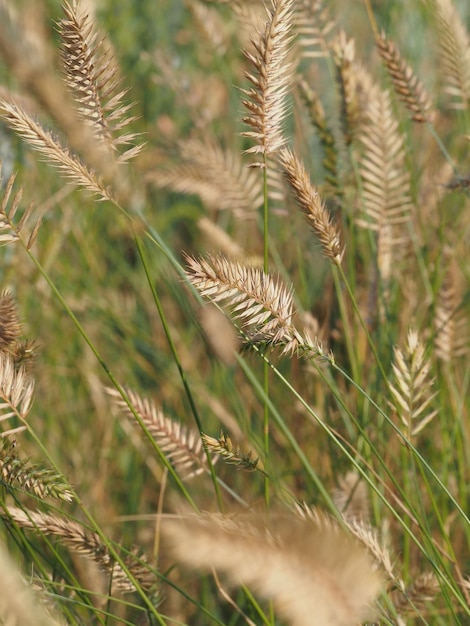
(87, 543)
(259, 302)
(314, 26)
(42, 482)
(92, 74)
(385, 201)
(312, 206)
(454, 42)
(406, 84)
(270, 79)
(451, 339)
(180, 444)
(35, 73)
(312, 572)
(216, 174)
(19, 605)
(354, 83)
(43, 141)
(412, 386)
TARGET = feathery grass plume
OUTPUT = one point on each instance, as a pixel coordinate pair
(369, 538)
(411, 389)
(313, 573)
(354, 86)
(42, 141)
(22, 351)
(8, 210)
(262, 304)
(407, 86)
(416, 597)
(317, 116)
(386, 188)
(454, 42)
(270, 79)
(10, 325)
(41, 481)
(210, 26)
(34, 71)
(351, 497)
(11, 231)
(91, 74)
(180, 444)
(84, 542)
(217, 175)
(312, 206)
(16, 391)
(231, 453)
(450, 322)
(313, 26)
(19, 604)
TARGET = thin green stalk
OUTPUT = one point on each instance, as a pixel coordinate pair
(281, 424)
(109, 374)
(265, 365)
(361, 320)
(179, 366)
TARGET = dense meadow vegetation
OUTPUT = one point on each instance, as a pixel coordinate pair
(234, 341)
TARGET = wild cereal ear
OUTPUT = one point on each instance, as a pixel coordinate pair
(406, 84)
(311, 570)
(82, 541)
(92, 74)
(43, 141)
(217, 174)
(270, 79)
(312, 206)
(181, 445)
(454, 42)
(385, 202)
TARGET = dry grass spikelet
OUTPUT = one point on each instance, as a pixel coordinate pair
(210, 26)
(454, 43)
(40, 481)
(262, 304)
(42, 141)
(369, 538)
(412, 600)
(354, 83)
(10, 325)
(216, 174)
(12, 230)
(231, 453)
(405, 82)
(91, 74)
(180, 444)
(270, 79)
(16, 390)
(450, 321)
(411, 389)
(386, 187)
(84, 542)
(314, 26)
(312, 206)
(312, 572)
